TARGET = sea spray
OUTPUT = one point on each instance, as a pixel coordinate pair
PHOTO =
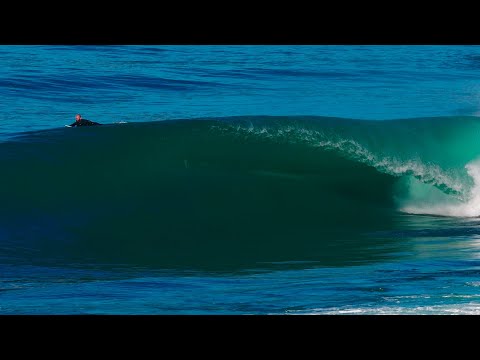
(432, 202)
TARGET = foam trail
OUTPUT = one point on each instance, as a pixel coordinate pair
(450, 195)
(428, 174)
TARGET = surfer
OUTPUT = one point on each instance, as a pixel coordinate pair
(79, 121)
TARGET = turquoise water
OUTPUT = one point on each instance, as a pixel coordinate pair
(240, 180)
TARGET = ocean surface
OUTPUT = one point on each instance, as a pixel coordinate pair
(240, 179)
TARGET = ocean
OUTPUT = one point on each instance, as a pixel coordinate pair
(246, 179)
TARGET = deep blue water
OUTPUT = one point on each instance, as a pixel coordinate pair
(278, 185)
(44, 86)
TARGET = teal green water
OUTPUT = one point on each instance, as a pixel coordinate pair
(240, 180)
(223, 194)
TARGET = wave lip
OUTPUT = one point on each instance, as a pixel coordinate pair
(231, 190)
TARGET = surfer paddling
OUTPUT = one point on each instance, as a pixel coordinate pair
(79, 121)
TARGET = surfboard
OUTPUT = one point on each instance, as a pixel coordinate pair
(67, 125)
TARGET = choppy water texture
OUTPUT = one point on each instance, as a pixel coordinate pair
(240, 180)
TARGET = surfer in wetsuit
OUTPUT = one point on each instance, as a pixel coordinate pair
(79, 121)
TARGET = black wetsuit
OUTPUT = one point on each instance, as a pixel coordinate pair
(84, 122)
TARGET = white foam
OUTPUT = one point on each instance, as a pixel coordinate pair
(463, 199)
(470, 207)
(471, 308)
(463, 202)
(427, 173)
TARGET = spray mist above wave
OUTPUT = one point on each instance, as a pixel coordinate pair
(450, 181)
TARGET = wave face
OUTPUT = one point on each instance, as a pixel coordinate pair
(230, 190)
